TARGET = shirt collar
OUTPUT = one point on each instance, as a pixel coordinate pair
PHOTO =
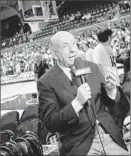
(64, 68)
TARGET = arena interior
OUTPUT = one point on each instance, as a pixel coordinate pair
(26, 29)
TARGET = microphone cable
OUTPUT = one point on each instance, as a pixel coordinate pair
(96, 127)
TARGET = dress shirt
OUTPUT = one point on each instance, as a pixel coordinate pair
(77, 107)
(101, 55)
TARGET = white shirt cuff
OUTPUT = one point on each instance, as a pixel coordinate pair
(112, 93)
(77, 107)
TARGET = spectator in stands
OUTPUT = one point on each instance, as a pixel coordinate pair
(103, 53)
(55, 30)
(78, 16)
(18, 70)
(88, 52)
(86, 17)
(10, 70)
(125, 60)
(22, 65)
(40, 67)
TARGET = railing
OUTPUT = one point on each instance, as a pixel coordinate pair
(23, 77)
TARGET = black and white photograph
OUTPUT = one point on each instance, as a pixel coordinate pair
(65, 78)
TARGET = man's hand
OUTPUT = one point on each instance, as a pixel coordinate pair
(111, 82)
(111, 79)
(83, 94)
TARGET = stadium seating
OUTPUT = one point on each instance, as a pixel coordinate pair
(30, 125)
(97, 12)
(43, 46)
(5, 136)
(30, 112)
(9, 121)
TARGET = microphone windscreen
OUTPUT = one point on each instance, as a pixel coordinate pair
(78, 63)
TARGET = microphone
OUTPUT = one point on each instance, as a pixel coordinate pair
(80, 70)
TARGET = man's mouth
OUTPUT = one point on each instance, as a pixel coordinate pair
(71, 57)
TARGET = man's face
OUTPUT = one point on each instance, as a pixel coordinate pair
(66, 50)
(38, 59)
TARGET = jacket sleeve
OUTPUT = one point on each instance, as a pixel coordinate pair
(119, 107)
(55, 119)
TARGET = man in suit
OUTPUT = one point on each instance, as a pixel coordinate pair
(84, 129)
(40, 66)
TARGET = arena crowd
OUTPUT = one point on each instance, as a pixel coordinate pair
(21, 59)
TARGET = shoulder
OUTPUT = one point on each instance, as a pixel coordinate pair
(98, 46)
(46, 78)
(90, 64)
(95, 70)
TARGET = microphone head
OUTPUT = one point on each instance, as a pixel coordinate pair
(78, 63)
(80, 68)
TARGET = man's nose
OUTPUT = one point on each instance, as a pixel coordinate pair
(72, 49)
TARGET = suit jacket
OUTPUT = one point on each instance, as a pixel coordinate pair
(76, 133)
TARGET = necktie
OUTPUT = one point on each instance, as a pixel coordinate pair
(73, 82)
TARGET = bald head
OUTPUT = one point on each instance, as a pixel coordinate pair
(65, 48)
(60, 37)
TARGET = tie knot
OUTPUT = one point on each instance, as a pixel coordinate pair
(72, 72)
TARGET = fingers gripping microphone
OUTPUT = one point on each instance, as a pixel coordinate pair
(81, 71)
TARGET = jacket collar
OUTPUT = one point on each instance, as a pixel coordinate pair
(63, 80)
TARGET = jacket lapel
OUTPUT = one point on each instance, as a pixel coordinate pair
(63, 80)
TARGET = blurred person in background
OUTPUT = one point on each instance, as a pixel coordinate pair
(54, 30)
(40, 66)
(124, 58)
(22, 65)
(18, 70)
(103, 53)
(88, 52)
